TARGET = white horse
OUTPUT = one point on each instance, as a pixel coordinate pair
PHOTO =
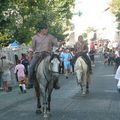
(45, 80)
(83, 75)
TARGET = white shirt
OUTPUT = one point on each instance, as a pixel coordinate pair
(117, 74)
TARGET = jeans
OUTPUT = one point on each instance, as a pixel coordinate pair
(36, 58)
(32, 68)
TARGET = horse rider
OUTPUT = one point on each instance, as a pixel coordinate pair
(81, 49)
(41, 42)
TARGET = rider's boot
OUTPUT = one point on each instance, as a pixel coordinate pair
(56, 83)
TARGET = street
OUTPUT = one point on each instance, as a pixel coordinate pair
(102, 103)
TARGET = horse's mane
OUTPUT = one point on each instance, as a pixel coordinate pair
(43, 70)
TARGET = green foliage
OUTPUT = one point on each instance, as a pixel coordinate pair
(19, 17)
(115, 8)
(5, 39)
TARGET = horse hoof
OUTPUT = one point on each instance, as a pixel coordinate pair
(87, 92)
(38, 111)
(49, 113)
(45, 115)
(83, 94)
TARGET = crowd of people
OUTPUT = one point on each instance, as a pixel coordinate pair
(24, 65)
(20, 66)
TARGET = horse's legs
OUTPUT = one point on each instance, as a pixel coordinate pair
(38, 102)
(87, 83)
(87, 88)
(81, 86)
(45, 104)
(37, 90)
(84, 90)
(84, 84)
(49, 99)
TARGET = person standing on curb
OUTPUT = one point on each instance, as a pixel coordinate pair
(6, 64)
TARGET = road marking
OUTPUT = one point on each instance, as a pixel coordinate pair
(111, 91)
(111, 75)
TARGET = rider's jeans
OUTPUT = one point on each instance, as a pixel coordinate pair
(32, 67)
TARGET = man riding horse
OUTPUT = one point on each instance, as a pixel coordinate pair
(81, 49)
(42, 42)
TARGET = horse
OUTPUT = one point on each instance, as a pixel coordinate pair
(82, 75)
(45, 80)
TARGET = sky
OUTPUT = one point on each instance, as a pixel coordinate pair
(93, 15)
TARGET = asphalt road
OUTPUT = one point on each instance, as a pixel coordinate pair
(103, 102)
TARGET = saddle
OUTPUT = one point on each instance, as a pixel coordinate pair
(85, 58)
(42, 55)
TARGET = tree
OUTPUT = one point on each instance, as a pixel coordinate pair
(19, 17)
(115, 9)
(4, 39)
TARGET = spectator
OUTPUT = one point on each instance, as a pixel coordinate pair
(20, 71)
(6, 74)
(61, 66)
(116, 61)
(92, 54)
(72, 52)
(29, 55)
(16, 58)
(66, 57)
(26, 63)
(117, 77)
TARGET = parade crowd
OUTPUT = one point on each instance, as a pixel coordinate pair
(65, 57)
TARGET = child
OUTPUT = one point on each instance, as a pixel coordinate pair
(20, 71)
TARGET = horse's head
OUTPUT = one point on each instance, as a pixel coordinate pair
(54, 63)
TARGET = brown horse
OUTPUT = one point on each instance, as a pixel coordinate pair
(83, 75)
(44, 83)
